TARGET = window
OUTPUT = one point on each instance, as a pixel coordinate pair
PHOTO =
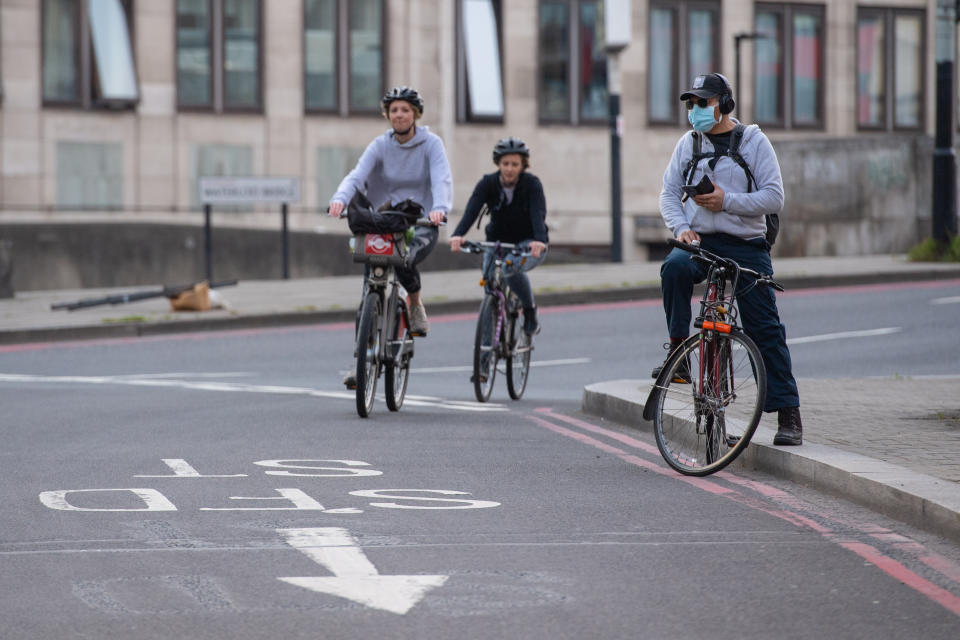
(219, 55)
(88, 54)
(343, 55)
(788, 73)
(890, 79)
(572, 75)
(673, 67)
(479, 69)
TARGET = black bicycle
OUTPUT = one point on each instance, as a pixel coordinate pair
(500, 333)
(384, 342)
(708, 399)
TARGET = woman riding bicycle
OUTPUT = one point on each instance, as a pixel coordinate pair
(405, 162)
(514, 197)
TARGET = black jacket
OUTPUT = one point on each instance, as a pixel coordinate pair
(523, 219)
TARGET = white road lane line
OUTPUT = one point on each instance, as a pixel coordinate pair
(237, 387)
(950, 300)
(842, 335)
(535, 363)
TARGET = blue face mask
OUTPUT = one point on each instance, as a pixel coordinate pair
(702, 118)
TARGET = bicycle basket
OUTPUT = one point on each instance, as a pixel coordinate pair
(380, 249)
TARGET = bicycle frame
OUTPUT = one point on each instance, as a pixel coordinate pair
(379, 278)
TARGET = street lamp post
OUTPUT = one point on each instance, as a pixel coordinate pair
(944, 213)
(616, 18)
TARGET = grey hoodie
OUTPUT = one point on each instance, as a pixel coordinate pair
(390, 171)
(742, 213)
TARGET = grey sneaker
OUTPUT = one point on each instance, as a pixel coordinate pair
(419, 325)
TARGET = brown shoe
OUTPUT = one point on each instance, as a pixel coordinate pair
(789, 427)
(419, 324)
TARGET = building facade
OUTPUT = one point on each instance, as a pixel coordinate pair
(112, 109)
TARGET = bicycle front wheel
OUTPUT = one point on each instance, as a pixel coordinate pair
(710, 402)
(518, 358)
(485, 348)
(368, 353)
(397, 372)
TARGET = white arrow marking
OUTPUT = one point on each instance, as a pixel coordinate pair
(355, 576)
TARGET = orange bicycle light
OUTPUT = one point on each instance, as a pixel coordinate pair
(483, 282)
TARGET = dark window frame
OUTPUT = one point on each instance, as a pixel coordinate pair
(84, 64)
(681, 73)
(335, 109)
(574, 90)
(217, 50)
(888, 16)
(342, 63)
(785, 90)
(464, 113)
(187, 108)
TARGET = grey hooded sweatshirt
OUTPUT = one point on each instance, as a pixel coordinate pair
(742, 213)
(391, 172)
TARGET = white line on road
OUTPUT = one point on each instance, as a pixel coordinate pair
(420, 401)
(866, 333)
(536, 363)
(950, 300)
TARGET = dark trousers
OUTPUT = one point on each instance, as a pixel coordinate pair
(758, 308)
(424, 240)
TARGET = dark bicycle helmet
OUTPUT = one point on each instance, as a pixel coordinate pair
(402, 93)
(510, 145)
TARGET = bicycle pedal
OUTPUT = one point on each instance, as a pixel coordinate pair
(419, 334)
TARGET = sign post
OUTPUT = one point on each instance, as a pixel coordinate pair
(616, 26)
(247, 190)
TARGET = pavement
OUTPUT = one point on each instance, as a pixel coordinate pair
(895, 450)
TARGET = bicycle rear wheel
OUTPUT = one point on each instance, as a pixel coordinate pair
(518, 358)
(397, 373)
(485, 348)
(368, 353)
(709, 403)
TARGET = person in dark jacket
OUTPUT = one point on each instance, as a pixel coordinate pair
(514, 198)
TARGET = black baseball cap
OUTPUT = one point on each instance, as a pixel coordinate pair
(707, 86)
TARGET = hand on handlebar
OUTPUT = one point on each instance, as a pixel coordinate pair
(335, 209)
(456, 242)
(537, 248)
(689, 237)
(438, 217)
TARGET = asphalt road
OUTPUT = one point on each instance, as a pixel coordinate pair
(222, 486)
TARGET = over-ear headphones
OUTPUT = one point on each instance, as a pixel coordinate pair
(727, 103)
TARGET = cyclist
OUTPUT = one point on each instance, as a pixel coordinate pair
(408, 161)
(729, 222)
(514, 197)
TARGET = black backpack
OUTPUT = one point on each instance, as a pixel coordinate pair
(772, 219)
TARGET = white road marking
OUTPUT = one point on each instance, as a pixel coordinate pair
(950, 300)
(534, 363)
(866, 333)
(182, 469)
(355, 577)
(239, 387)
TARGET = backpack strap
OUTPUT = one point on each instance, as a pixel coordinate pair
(695, 158)
(734, 152)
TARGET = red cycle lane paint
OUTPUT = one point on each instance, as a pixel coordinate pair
(885, 563)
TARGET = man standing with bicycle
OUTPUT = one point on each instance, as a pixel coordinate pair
(405, 162)
(719, 189)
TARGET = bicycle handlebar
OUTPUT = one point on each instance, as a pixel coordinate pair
(761, 278)
(420, 222)
(469, 246)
